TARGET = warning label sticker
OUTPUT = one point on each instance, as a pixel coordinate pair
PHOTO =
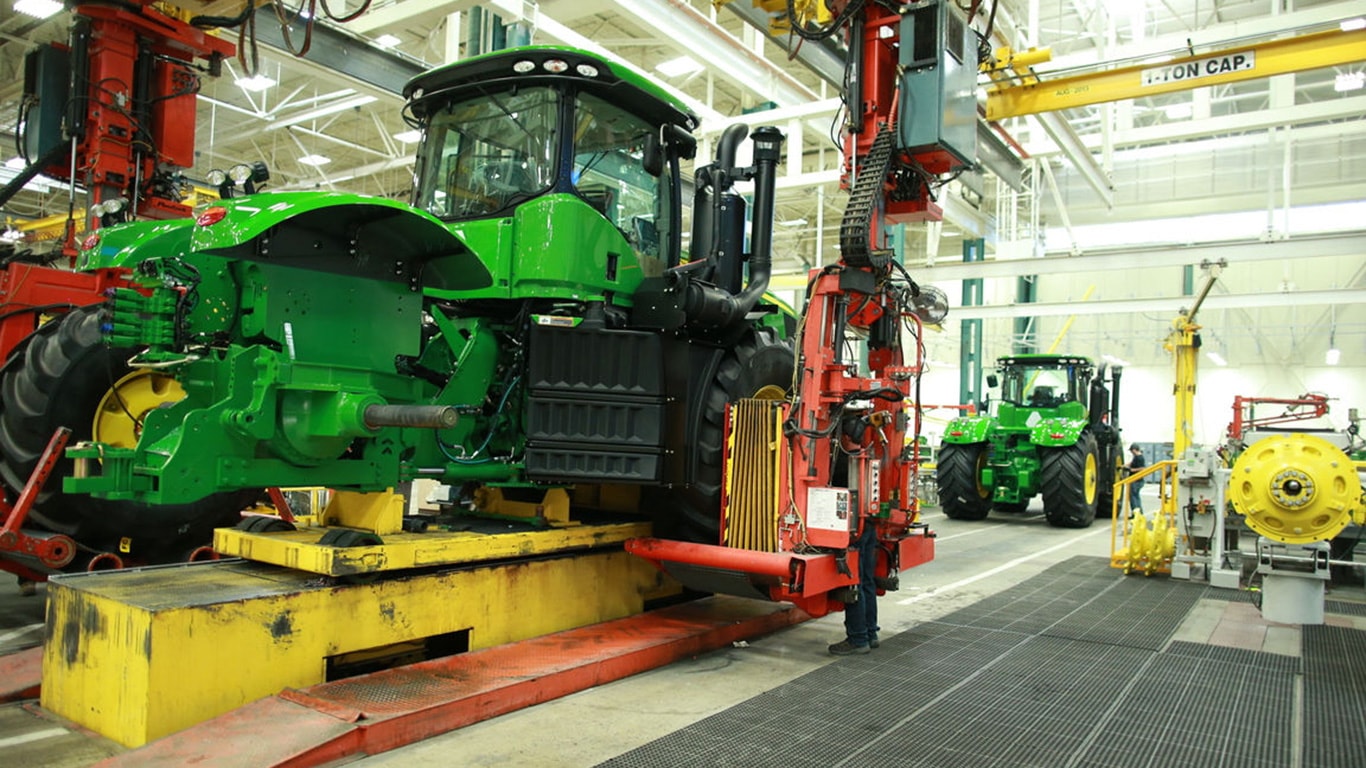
(1194, 70)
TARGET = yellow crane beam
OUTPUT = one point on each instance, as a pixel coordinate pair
(1247, 62)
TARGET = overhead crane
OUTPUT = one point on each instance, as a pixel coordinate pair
(1018, 90)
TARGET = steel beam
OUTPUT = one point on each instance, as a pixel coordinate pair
(1170, 305)
(678, 22)
(1153, 257)
(821, 57)
(1075, 150)
(345, 54)
(1217, 67)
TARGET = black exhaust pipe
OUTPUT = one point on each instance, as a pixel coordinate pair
(716, 307)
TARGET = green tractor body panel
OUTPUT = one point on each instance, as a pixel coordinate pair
(524, 254)
(124, 245)
(1047, 403)
(967, 429)
(531, 287)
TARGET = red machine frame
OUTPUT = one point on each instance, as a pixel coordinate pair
(121, 46)
(1243, 418)
(813, 563)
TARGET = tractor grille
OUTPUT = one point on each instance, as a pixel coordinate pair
(753, 476)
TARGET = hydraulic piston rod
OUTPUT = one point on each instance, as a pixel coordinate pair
(422, 416)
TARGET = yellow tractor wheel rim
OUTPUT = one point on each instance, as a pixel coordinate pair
(983, 492)
(118, 420)
(1089, 478)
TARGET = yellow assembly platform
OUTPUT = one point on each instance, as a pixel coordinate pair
(135, 655)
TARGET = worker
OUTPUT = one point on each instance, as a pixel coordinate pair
(860, 616)
(1136, 464)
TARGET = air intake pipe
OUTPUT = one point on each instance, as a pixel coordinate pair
(710, 306)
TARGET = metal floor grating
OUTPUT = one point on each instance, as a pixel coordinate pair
(1028, 678)
(1344, 608)
(1334, 705)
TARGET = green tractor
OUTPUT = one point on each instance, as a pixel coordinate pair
(528, 325)
(1054, 430)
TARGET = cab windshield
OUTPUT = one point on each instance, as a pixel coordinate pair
(1041, 386)
(487, 153)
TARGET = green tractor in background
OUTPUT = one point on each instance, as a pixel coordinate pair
(528, 326)
(1054, 430)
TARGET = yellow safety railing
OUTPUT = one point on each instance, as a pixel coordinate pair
(1140, 542)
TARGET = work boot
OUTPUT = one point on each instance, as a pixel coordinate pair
(872, 640)
(846, 648)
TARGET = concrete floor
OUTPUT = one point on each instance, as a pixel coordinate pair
(974, 560)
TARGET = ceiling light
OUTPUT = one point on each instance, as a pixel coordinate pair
(315, 160)
(793, 223)
(1349, 81)
(1179, 111)
(255, 83)
(1216, 358)
(409, 136)
(683, 65)
(16, 164)
(38, 8)
(1333, 356)
(387, 41)
(1352, 25)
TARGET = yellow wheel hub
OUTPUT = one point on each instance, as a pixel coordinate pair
(1295, 488)
(118, 420)
(1089, 476)
(983, 492)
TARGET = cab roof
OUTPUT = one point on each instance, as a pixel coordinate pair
(541, 64)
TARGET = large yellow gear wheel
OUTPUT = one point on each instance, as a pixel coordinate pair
(1295, 488)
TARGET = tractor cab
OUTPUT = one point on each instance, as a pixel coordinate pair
(553, 139)
(1043, 382)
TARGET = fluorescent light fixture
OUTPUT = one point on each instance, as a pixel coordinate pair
(1349, 25)
(315, 160)
(1349, 81)
(1112, 360)
(314, 114)
(256, 83)
(16, 163)
(1179, 111)
(409, 136)
(1216, 358)
(683, 65)
(793, 223)
(387, 40)
(41, 9)
(1333, 356)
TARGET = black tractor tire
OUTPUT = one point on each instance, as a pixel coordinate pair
(959, 475)
(59, 379)
(758, 361)
(1011, 507)
(1070, 482)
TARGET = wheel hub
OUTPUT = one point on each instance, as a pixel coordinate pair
(118, 419)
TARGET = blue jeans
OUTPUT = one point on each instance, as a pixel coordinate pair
(1135, 497)
(860, 619)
